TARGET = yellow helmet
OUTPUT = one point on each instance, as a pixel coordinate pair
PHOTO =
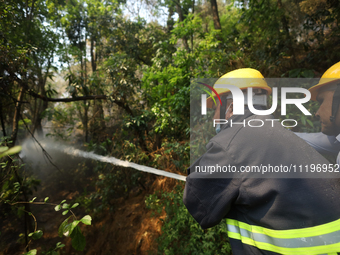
(332, 74)
(242, 78)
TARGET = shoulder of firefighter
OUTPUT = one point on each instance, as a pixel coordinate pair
(266, 215)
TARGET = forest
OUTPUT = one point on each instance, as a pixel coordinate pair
(112, 78)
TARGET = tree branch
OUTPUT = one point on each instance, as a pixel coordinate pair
(72, 99)
(2, 121)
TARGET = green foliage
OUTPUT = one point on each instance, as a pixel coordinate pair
(72, 230)
(31, 252)
(36, 235)
(69, 227)
(166, 83)
(181, 234)
(112, 181)
(54, 251)
(5, 151)
(66, 207)
(301, 73)
(24, 122)
(180, 154)
(63, 120)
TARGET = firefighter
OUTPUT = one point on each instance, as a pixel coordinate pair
(265, 215)
(327, 93)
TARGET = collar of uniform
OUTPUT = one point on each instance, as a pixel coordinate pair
(337, 138)
(239, 118)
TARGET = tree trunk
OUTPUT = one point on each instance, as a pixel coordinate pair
(17, 116)
(216, 18)
(97, 122)
(142, 141)
(40, 107)
(283, 18)
(86, 121)
(286, 29)
(181, 18)
(158, 143)
(170, 22)
(93, 57)
(38, 125)
(192, 35)
(2, 120)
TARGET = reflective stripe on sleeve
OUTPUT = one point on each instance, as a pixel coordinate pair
(320, 239)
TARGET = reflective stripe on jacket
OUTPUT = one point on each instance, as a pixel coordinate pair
(322, 239)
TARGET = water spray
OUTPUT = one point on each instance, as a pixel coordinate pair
(72, 151)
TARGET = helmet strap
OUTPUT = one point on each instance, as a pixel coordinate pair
(335, 103)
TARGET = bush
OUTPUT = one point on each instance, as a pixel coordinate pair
(181, 234)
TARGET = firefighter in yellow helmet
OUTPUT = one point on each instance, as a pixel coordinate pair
(327, 93)
(243, 79)
(265, 213)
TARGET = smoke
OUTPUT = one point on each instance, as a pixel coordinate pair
(58, 151)
(45, 160)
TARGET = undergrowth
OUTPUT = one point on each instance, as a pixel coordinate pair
(181, 234)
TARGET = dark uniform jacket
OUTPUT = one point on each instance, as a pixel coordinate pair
(266, 215)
